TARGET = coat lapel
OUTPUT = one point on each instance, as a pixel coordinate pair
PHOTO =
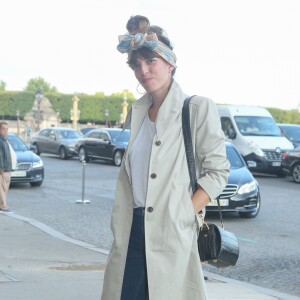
(170, 108)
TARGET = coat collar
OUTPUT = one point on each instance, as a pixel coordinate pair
(169, 110)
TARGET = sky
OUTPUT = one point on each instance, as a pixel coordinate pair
(232, 51)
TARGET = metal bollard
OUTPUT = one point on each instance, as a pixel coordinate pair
(83, 201)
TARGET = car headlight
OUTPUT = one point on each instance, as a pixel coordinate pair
(247, 188)
(255, 149)
(37, 164)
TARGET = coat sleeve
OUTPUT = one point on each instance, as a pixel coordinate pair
(1, 157)
(209, 146)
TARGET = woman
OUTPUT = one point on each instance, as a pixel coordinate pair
(154, 254)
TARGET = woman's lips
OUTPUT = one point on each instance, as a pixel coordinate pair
(146, 80)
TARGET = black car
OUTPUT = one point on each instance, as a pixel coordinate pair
(291, 164)
(86, 130)
(241, 193)
(103, 143)
(30, 167)
(56, 140)
(292, 132)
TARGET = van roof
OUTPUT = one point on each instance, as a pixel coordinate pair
(242, 110)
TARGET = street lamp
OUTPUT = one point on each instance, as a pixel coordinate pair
(106, 114)
(124, 108)
(58, 117)
(18, 121)
(39, 98)
(75, 112)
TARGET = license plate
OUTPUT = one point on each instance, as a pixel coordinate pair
(276, 164)
(214, 202)
(18, 174)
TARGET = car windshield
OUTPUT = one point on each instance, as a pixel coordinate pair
(293, 132)
(234, 158)
(68, 134)
(258, 126)
(120, 136)
(16, 143)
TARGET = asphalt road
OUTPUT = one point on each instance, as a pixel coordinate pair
(269, 243)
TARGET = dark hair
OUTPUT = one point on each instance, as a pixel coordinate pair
(141, 24)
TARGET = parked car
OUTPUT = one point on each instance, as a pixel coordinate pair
(103, 143)
(291, 164)
(56, 140)
(30, 167)
(254, 132)
(86, 130)
(292, 132)
(241, 193)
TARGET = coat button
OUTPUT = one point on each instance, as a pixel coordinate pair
(158, 143)
(153, 176)
(150, 209)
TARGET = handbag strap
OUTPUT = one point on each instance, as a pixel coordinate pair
(188, 143)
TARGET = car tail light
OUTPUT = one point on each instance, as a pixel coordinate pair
(285, 155)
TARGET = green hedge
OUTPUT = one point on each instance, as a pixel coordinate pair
(10, 102)
(285, 116)
(91, 107)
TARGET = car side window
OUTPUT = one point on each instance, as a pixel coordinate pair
(104, 136)
(52, 134)
(227, 128)
(94, 135)
(45, 133)
(60, 134)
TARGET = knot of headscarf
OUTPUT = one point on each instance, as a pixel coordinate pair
(128, 43)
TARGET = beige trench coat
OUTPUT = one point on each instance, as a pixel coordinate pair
(173, 264)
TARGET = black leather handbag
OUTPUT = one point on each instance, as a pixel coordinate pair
(216, 245)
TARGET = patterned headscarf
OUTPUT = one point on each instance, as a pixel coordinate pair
(129, 43)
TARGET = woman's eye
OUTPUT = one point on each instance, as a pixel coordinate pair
(150, 61)
(134, 66)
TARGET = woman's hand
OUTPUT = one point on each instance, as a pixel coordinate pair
(200, 199)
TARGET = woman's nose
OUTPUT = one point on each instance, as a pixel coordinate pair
(144, 68)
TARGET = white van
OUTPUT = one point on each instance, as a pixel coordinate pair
(256, 135)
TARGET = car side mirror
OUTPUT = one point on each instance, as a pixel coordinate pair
(31, 147)
(231, 134)
(106, 141)
(52, 136)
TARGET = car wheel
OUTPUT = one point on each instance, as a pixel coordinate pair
(36, 150)
(63, 153)
(296, 173)
(35, 184)
(82, 155)
(253, 213)
(118, 156)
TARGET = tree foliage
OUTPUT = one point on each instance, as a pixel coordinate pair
(2, 85)
(39, 83)
(285, 116)
(92, 107)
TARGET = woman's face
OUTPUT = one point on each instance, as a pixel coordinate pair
(153, 74)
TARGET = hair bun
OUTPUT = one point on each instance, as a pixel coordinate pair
(137, 24)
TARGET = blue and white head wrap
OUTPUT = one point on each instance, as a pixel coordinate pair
(129, 43)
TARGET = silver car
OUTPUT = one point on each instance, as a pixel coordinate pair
(56, 140)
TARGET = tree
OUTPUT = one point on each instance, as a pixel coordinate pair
(35, 83)
(99, 94)
(2, 85)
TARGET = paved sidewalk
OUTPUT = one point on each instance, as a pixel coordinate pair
(39, 263)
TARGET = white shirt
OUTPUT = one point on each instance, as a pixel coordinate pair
(139, 158)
